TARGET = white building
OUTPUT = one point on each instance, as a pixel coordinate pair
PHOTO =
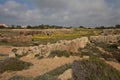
(3, 25)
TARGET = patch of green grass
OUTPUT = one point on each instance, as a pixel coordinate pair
(13, 64)
(94, 69)
(75, 33)
(54, 39)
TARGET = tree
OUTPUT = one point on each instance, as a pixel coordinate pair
(18, 27)
(29, 27)
(2, 27)
(117, 26)
(81, 27)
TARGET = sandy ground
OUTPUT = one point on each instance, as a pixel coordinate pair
(8, 49)
(39, 67)
(114, 64)
(5, 49)
(42, 66)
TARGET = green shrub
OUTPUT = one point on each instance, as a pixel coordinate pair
(13, 64)
(94, 69)
(38, 56)
(52, 75)
(60, 53)
(1, 54)
(113, 46)
(90, 50)
(20, 78)
(111, 49)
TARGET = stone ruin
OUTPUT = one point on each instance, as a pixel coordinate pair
(105, 39)
(111, 32)
(20, 37)
(45, 50)
(108, 36)
(35, 32)
(16, 39)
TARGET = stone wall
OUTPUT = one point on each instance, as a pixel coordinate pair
(45, 50)
(16, 39)
(106, 39)
(111, 32)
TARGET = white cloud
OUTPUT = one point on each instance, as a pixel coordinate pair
(16, 13)
(61, 12)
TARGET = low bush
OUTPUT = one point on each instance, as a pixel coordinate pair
(90, 50)
(13, 64)
(112, 46)
(111, 49)
(20, 78)
(60, 53)
(1, 54)
(94, 69)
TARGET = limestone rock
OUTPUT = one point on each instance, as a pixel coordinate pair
(63, 45)
(105, 39)
(67, 75)
(12, 55)
(118, 47)
(86, 57)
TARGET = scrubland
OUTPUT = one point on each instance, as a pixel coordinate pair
(94, 61)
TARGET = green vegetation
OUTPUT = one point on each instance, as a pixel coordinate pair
(10, 37)
(90, 69)
(113, 51)
(52, 75)
(60, 53)
(3, 54)
(13, 64)
(90, 50)
(20, 78)
(74, 33)
(94, 69)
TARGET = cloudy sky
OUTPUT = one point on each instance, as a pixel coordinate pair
(60, 12)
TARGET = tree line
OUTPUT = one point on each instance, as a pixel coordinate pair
(42, 26)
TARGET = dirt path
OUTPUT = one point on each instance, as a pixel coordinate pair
(39, 67)
(5, 49)
(114, 64)
(45, 65)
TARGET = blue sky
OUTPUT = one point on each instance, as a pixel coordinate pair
(60, 12)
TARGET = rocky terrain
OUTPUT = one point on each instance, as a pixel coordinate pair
(45, 50)
(105, 39)
(87, 51)
(111, 32)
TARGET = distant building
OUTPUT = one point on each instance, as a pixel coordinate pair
(24, 26)
(3, 25)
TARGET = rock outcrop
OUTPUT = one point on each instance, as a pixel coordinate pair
(67, 75)
(16, 39)
(111, 32)
(45, 50)
(106, 39)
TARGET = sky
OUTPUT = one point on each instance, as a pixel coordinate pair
(89, 13)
